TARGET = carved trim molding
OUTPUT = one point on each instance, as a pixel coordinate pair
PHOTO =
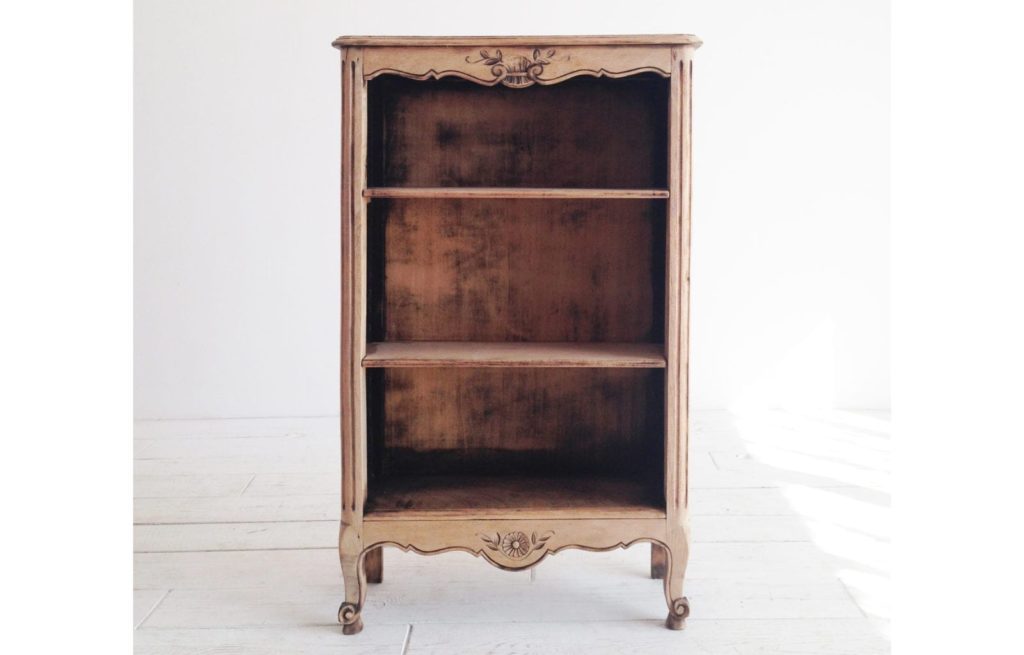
(522, 562)
(518, 72)
(513, 67)
(436, 75)
(430, 75)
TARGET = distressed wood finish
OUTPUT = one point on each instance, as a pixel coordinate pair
(436, 497)
(515, 291)
(517, 270)
(451, 133)
(476, 354)
(518, 422)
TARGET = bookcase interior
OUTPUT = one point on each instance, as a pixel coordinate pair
(462, 273)
(516, 270)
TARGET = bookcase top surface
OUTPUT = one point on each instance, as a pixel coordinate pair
(547, 40)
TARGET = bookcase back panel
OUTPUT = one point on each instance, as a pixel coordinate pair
(534, 421)
(585, 132)
(516, 270)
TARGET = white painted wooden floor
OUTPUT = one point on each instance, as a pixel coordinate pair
(237, 521)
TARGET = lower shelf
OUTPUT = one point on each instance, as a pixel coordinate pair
(443, 497)
(477, 354)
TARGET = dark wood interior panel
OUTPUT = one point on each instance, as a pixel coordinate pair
(584, 132)
(518, 421)
(516, 270)
(503, 496)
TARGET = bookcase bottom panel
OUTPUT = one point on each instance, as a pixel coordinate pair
(503, 496)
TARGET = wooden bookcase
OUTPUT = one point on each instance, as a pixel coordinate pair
(515, 257)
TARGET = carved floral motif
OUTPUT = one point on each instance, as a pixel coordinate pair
(515, 71)
(515, 544)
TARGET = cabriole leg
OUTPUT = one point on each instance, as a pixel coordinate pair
(350, 612)
(678, 605)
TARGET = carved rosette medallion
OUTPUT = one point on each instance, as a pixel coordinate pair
(515, 544)
(515, 71)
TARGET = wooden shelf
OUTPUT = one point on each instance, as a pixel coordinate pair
(407, 354)
(512, 192)
(442, 497)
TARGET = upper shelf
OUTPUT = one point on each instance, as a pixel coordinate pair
(472, 354)
(510, 192)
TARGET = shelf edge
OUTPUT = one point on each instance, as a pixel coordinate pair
(512, 192)
(459, 516)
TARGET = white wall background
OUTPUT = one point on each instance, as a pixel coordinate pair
(236, 194)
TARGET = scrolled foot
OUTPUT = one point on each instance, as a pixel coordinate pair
(351, 621)
(677, 614)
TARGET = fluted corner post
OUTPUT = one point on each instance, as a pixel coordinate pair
(677, 334)
(353, 335)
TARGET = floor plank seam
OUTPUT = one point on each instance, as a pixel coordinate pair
(852, 599)
(405, 642)
(650, 621)
(240, 522)
(247, 484)
(181, 437)
(780, 485)
(462, 621)
(832, 459)
(233, 550)
(153, 609)
(233, 418)
(244, 626)
(713, 462)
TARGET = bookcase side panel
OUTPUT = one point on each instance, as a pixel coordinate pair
(673, 273)
(685, 200)
(678, 285)
(353, 285)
